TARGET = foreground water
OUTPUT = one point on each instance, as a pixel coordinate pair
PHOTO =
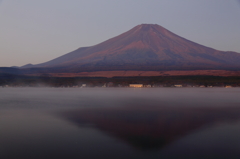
(69, 123)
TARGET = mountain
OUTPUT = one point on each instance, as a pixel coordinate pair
(146, 47)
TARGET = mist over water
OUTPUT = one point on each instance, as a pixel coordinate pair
(119, 123)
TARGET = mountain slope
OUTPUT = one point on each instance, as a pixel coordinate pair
(144, 47)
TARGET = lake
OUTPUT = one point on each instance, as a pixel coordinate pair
(117, 123)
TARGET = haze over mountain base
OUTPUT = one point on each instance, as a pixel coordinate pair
(111, 74)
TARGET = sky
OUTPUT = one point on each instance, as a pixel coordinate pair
(39, 31)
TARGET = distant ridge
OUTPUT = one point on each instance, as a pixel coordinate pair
(27, 66)
(146, 47)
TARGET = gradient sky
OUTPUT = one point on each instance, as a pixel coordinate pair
(38, 31)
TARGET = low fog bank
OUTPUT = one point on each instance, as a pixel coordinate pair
(117, 97)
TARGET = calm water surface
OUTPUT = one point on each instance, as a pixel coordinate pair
(69, 123)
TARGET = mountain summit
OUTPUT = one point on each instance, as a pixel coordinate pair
(144, 47)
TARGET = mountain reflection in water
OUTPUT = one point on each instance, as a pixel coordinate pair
(150, 127)
(73, 123)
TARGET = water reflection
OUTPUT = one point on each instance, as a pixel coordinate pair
(119, 123)
(151, 127)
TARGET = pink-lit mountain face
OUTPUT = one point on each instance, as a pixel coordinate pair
(144, 47)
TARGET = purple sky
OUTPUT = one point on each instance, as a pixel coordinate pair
(38, 31)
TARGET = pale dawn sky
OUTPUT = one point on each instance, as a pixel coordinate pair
(38, 31)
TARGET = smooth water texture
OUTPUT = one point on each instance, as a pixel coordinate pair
(69, 123)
